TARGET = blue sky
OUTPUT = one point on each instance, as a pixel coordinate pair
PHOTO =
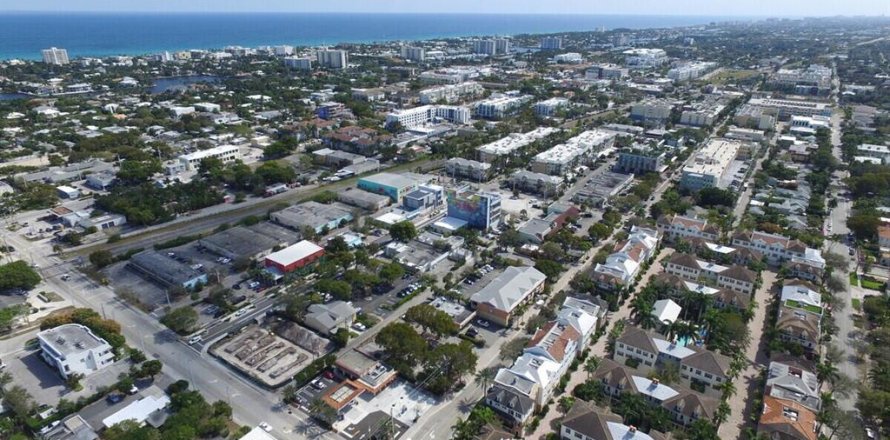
(647, 7)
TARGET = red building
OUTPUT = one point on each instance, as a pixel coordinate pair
(295, 257)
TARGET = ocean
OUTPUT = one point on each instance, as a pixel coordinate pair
(23, 35)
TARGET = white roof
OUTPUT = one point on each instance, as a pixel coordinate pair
(720, 249)
(666, 311)
(509, 288)
(294, 253)
(139, 410)
(621, 431)
(258, 433)
(660, 392)
(674, 350)
(450, 224)
(390, 218)
(801, 294)
(538, 369)
(700, 288)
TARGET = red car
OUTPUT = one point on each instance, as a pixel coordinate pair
(328, 374)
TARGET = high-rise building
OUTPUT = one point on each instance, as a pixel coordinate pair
(413, 53)
(58, 57)
(480, 210)
(502, 46)
(486, 47)
(299, 63)
(283, 50)
(551, 43)
(332, 58)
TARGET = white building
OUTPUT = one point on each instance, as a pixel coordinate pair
(787, 108)
(470, 169)
(283, 50)
(871, 150)
(499, 105)
(332, 58)
(413, 53)
(568, 58)
(427, 114)
(622, 267)
(74, 349)
(652, 110)
(691, 70)
(450, 93)
(549, 107)
(551, 43)
(710, 165)
(644, 58)
(563, 157)
(506, 146)
(208, 107)
(225, 153)
(55, 56)
(298, 63)
(606, 71)
(701, 114)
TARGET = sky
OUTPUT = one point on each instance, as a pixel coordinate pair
(774, 8)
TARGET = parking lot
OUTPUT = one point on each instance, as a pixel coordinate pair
(313, 391)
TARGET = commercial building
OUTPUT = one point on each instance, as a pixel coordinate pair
(551, 43)
(392, 185)
(510, 144)
(332, 59)
(691, 70)
(701, 114)
(536, 183)
(450, 93)
(166, 271)
(336, 158)
(453, 75)
(787, 108)
(606, 71)
(644, 58)
(145, 410)
(549, 107)
(363, 199)
(316, 216)
(568, 58)
(652, 111)
(560, 159)
(294, 257)
(710, 165)
(67, 192)
(479, 209)
(413, 53)
(469, 169)
(55, 56)
(814, 80)
(753, 116)
(364, 371)
(298, 63)
(251, 242)
(225, 153)
(601, 188)
(498, 300)
(429, 114)
(623, 265)
(872, 150)
(641, 159)
(537, 230)
(74, 349)
(500, 105)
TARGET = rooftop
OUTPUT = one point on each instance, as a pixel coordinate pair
(509, 288)
(294, 253)
(68, 339)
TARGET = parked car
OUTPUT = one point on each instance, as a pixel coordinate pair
(472, 332)
(195, 339)
(483, 323)
(114, 398)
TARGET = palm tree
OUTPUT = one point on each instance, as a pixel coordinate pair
(827, 372)
(484, 377)
(728, 389)
(593, 362)
(722, 413)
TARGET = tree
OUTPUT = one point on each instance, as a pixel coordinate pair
(565, 404)
(404, 347)
(150, 368)
(431, 319)
(18, 275)
(713, 196)
(549, 268)
(341, 290)
(181, 320)
(702, 429)
(101, 258)
(512, 349)
(391, 272)
(447, 364)
(403, 231)
(19, 401)
(552, 251)
(9, 315)
(592, 364)
(485, 377)
(130, 430)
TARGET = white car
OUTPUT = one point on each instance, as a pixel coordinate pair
(359, 326)
(195, 339)
(265, 426)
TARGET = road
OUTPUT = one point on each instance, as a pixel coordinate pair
(250, 403)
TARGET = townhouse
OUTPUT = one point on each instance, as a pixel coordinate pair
(735, 278)
(788, 379)
(680, 227)
(778, 249)
(723, 298)
(699, 368)
(624, 264)
(585, 421)
(787, 420)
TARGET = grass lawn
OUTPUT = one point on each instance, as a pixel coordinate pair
(807, 307)
(854, 280)
(872, 284)
(857, 304)
(730, 76)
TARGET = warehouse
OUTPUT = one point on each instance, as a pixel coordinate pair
(393, 185)
(244, 242)
(313, 215)
(363, 199)
(294, 257)
(166, 271)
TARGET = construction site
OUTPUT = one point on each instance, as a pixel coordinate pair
(263, 355)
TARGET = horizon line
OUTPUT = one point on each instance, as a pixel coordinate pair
(630, 14)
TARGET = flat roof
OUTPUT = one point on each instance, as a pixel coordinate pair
(139, 410)
(294, 253)
(258, 433)
(68, 339)
(390, 179)
(164, 267)
(450, 223)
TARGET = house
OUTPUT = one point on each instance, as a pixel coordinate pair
(585, 421)
(514, 406)
(623, 265)
(684, 406)
(737, 278)
(803, 270)
(792, 382)
(787, 420)
(498, 300)
(364, 371)
(73, 427)
(776, 248)
(149, 409)
(680, 227)
(799, 327)
(677, 287)
(698, 367)
(328, 318)
(802, 295)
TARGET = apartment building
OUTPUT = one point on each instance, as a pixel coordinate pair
(562, 158)
(680, 227)
(450, 93)
(428, 114)
(736, 278)
(778, 248)
(709, 168)
(622, 266)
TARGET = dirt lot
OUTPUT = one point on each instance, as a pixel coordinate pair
(262, 355)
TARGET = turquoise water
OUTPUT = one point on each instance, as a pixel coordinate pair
(23, 35)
